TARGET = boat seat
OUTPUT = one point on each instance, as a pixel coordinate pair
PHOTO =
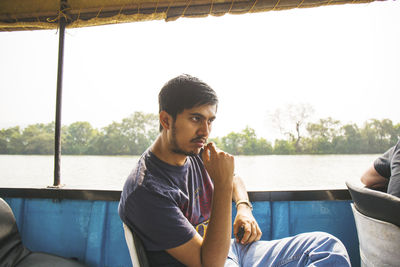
(136, 248)
(375, 204)
(14, 253)
(377, 218)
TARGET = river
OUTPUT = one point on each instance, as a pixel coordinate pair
(272, 172)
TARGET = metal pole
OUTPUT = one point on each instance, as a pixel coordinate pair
(57, 138)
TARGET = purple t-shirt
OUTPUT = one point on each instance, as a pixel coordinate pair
(164, 204)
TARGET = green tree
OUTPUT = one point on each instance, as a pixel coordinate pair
(322, 135)
(113, 142)
(378, 136)
(217, 141)
(254, 146)
(233, 143)
(291, 119)
(140, 130)
(11, 141)
(350, 142)
(38, 139)
(245, 143)
(284, 147)
(3, 143)
(130, 137)
(78, 138)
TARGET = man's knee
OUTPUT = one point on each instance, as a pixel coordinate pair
(324, 241)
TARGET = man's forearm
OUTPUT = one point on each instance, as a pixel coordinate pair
(216, 243)
(372, 179)
(239, 191)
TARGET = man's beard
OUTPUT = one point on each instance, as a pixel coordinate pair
(175, 147)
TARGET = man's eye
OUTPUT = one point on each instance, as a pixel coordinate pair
(195, 119)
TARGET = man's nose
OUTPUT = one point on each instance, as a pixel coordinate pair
(204, 129)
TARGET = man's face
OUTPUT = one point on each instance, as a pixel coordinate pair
(190, 130)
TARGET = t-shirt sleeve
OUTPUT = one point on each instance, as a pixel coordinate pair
(157, 219)
(394, 183)
(382, 164)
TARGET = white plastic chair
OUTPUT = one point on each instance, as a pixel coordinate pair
(377, 217)
(136, 249)
(379, 241)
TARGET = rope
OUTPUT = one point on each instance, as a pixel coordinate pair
(255, 2)
(211, 7)
(79, 14)
(277, 3)
(302, 1)
(120, 12)
(329, 2)
(169, 6)
(229, 11)
(61, 13)
(187, 6)
(98, 13)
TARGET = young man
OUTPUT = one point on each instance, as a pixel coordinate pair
(385, 172)
(178, 199)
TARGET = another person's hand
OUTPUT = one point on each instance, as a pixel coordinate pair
(219, 164)
(244, 218)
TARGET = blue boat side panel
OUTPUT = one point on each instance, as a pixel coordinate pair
(262, 212)
(52, 227)
(117, 253)
(91, 231)
(97, 227)
(280, 220)
(334, 217)
(17, 205)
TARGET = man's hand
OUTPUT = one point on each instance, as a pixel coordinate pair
(219, 164)
(244, 218)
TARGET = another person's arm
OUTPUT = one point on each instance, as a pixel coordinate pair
(214, 248)
(377, 176)
(385, 172)
(372, 179)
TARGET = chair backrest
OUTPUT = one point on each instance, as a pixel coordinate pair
(12, 250)
(377, 217)
(136, 248)
(379, 241)
(375, 204)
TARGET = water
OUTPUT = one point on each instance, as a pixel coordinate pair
(258, 172)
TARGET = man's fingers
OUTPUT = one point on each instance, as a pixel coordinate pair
(259, 233)
(212, 147)
(251, 234)
(247, 233)
(205, 155)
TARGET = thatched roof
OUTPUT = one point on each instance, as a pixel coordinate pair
(45, 14)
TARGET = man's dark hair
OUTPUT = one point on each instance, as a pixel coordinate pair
(185, 92)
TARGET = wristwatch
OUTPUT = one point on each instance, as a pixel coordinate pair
(246, 202)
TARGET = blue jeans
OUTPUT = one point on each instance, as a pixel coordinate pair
(308, 249)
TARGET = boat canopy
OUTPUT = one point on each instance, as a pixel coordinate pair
(46, 14)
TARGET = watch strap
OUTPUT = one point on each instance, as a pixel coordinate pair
(244, 201)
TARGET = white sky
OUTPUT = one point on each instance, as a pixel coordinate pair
(343, 60)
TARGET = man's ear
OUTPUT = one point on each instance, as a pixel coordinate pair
(165, 120)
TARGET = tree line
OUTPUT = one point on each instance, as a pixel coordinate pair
(135, 133)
